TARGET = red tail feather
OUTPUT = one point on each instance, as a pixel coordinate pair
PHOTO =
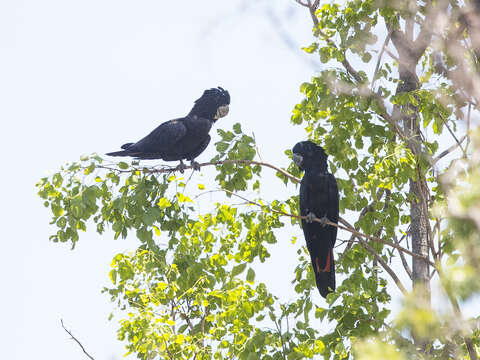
(327, 265)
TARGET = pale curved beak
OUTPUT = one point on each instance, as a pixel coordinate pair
(297, 159)
(222, 111)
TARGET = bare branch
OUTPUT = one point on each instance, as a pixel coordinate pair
(469, 113)
(379, 60)
(453, 135)
(387, 268)
(402, 257)
(383, 241)
(364, 211)
(391, 54)
(425, 36)
(76, 340)
(400, 41)
(279, 329)
(301, 3)
(449, 150)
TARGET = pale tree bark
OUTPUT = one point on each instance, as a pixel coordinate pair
(409, 53)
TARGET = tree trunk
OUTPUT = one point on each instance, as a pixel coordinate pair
(408, 117)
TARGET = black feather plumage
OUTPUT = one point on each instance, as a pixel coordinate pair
(318, 197)
(183, 138)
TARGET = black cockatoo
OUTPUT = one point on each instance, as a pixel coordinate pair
(182, 138)
(318, 198)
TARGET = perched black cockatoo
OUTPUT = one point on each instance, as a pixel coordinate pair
(318, 198)
(183, 138)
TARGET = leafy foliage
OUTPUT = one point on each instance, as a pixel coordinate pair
(190, 289)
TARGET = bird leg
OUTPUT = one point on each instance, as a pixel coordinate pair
(324, 220)
(195, 165)
(181, 167)
(310, 216)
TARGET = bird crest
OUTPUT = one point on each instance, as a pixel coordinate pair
(213, 104)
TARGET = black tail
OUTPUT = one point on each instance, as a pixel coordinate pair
(326, 279)
(120, 153)
(126, 146)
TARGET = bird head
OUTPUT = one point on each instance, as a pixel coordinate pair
(308, 156)
(213, 104)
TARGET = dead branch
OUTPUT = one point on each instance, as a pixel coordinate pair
(379, 59)
(402, 257)
(76, 340)
(449, 150)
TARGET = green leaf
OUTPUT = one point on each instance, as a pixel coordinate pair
(221, 146)
(237, 128)
(366, 57)
(238, 269)
(250, 275)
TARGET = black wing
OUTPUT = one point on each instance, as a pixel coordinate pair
(157, 143)
(319, 194)
(163, 138)
(332, 207)
(192, 155)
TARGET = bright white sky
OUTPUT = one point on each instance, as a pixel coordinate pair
(88, 76)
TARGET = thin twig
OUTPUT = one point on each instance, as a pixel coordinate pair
(454, 136)
(364, 212)
(392, 55)
(469, 113)
(449, 150)
(383, 241)
(279, 329)
(379, 60)
(312, 9)
(385, 266)
(77, 341)
(256, 147)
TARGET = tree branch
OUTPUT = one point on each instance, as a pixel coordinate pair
(170, 169)
(379, 59)
(76, 340)
(425, 36)
(364, 211)
(385, 266)
(348, 228)
(402, 257)
(279, 329)
(289, 176)
(350, 70)
(449, 150)
(312, 7)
